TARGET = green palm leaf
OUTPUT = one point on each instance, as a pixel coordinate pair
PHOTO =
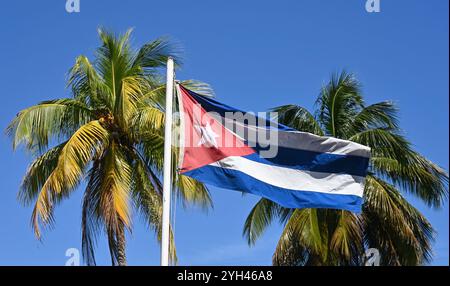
(86, 143)
(37, 125)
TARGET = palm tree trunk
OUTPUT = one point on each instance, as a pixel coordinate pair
(121, 256)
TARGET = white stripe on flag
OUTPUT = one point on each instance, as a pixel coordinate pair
(305, 141)
(297, 180)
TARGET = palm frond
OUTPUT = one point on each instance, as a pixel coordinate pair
(394, 159)
(126, 101)
(347, 242)
(108, 196)
(155, 54)
(73, 158)
(88, 86)
(148, 120)
(192, 192)
(38, 173)
(298, 118)
(90, 220)
(301, 240)
(151, 147)
(398, 230)
(147, 195)
(339, 102)
(260, 217)
(415, 175)
(383, 143)
(198, 87)
(114, 61)
(379, 115)
(37, 125)
(154, 95)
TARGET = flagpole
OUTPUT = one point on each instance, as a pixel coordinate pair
(167, 176)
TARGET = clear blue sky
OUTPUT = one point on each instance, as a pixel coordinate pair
(256, 55)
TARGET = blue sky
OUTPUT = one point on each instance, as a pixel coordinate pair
(256, 55)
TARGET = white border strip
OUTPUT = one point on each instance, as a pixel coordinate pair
(182, 125)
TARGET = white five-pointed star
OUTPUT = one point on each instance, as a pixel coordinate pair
(208, 136)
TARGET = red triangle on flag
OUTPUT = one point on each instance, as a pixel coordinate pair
(205, 140)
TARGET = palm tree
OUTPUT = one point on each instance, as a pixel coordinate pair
(109, 133)
(388, 222)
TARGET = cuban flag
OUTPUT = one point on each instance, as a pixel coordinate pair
(224, 147)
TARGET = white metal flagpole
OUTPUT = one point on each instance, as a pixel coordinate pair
(167, 176)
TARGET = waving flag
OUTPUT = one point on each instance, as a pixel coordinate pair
(230, 149)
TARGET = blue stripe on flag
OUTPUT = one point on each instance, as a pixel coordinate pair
(315, 161)
(239, 181)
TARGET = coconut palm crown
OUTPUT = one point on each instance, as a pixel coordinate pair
(109, 134)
